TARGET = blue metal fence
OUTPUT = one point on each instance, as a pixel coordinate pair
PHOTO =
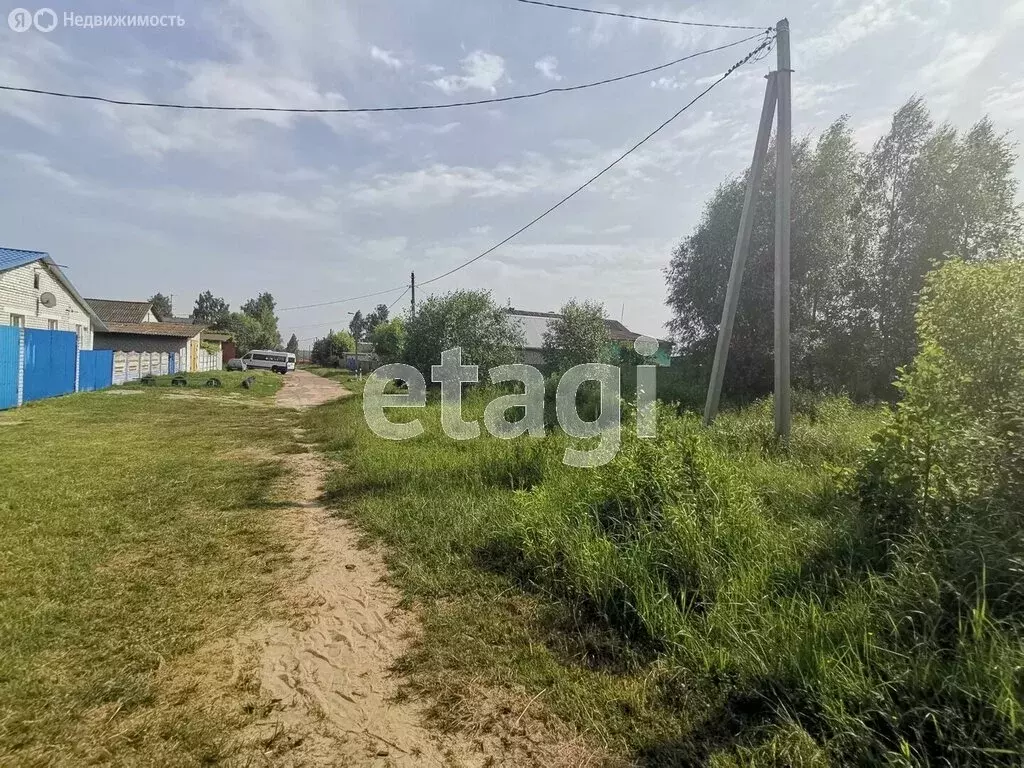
(50, 358)
(10, 346)
(95, 370)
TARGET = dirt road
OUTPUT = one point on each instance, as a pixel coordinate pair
(304, 390)
(326, 672)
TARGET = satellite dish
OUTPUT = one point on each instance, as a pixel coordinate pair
(48, 300)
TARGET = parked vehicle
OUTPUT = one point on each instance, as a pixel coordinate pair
(235, 364)
(268, 359)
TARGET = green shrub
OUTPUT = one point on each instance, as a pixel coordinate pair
(942, 494)
(945, 474)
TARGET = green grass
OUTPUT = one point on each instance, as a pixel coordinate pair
(264, 383)
(708, 598)
(135, 530)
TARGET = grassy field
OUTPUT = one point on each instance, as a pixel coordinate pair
(708, 598)
(264, 383)
(136, 529)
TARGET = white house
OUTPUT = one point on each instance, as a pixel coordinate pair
(535, 324)
(35, 293)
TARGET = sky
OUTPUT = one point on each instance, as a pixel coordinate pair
(315, 208)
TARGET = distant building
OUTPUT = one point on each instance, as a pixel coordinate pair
(133, 328)
(116, 311)
(223, 341)
(534, 324)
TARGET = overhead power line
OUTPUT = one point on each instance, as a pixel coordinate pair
(750, 56)
(392, 304)
(342, 301)
(639, 18)
(352, 110)
(607, 168)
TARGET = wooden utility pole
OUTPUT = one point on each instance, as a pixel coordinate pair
(412, 285)
(777, 102)
(739, 256)
(783, 205)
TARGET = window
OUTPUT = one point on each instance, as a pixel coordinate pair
(35, 281)
(52, 325)
(18, 321)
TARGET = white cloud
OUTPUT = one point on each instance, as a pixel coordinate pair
(548, 66)
(43, 167)
(1005, 103)
(956, 60)
(440, 184)
(481, 71)
(816, 95)
(431, 129)
(868, 132)
(386, 58)
(231, 208)
(669, 83)
(300, 39)
(214, 82)
(381, 248)
(868, 19)
(37, 62)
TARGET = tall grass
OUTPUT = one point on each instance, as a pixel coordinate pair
(708, 596)
(750, 569)
(853, 596)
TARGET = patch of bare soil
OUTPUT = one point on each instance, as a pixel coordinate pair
(303, 389)
(328, 692)
(326, 674)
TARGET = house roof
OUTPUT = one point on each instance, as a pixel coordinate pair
(156, 329)
(12, 258)
(115, 311)
(216, 336)
(534, 324)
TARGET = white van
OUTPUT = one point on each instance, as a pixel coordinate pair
(278, 362)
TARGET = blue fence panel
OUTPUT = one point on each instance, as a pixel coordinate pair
(10, 342)
(95, 370)
(50, 358)
(170, 363)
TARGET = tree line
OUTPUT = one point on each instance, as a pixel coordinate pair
(387, 334)
(867, 227)
(255, 326)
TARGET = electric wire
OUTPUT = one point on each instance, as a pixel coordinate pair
(750, 56)
(392, 304)
(604, 170)
(354, 110)
(342, 301)
(639, 18)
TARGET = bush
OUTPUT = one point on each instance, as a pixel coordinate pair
(467, 319)
(333, 346)
(946, 473)
(942, 494)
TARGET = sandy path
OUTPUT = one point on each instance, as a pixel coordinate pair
(303, 389)
(327, 671)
